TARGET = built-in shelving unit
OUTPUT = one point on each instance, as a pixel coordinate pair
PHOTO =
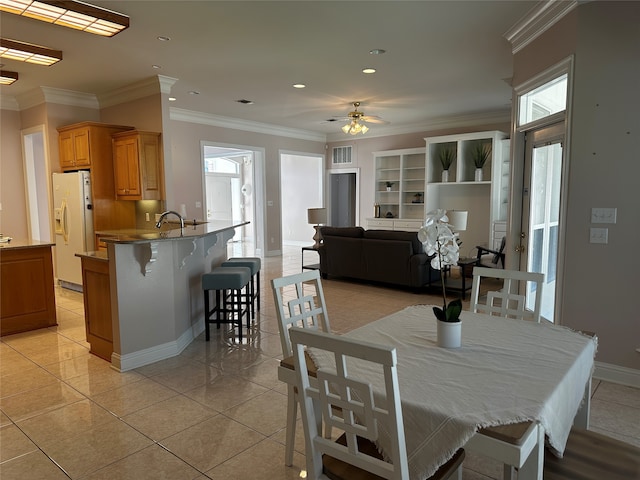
(401, 203)
(485, 198)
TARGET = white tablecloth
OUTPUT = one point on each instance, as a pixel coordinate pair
(506, 371)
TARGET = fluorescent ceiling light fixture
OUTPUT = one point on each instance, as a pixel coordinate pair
(27, 52)
(71, 14)
(7, 78)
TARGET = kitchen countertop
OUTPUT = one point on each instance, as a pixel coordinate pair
(17, 243)
(136, 235)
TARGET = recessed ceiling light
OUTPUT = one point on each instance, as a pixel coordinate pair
(172, 99)
(156, 66)
(194, 92)
(245, 101)
(369, 70)
(164, 39)
(377, 51)
(299, 85)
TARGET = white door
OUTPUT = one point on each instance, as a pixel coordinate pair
(541, 212)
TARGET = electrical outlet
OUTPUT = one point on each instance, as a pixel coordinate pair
(146, 217)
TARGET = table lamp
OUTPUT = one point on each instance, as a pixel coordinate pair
(457, 220)
(315, 217)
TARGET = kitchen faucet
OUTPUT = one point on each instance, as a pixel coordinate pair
(164, 215)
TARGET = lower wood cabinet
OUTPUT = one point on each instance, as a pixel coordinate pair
(27, 292)
(97, 305)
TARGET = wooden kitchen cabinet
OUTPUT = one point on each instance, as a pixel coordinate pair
(83, 144)
(137, 164)
(97, 304)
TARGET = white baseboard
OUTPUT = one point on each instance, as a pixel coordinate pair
(616, 374)
(129, 361)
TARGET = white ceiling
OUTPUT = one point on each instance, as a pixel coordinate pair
(445, 59)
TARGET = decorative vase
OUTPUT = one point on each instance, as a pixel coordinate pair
(445, 176)
(478, 174)
(388, 189)
(449, 334)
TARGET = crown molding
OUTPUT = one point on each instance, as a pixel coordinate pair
(538, 20)
(182, 115)
(143, 88)
(9, 102)
(42, 95)
(469, 120)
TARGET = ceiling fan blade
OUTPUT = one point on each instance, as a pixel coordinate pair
(374, 119)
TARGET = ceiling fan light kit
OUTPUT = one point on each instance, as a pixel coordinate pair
(356, 122)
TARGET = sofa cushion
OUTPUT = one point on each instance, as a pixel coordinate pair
(342, 231)
(396, 235)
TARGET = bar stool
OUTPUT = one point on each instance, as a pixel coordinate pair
(254, 264)
(231, 306)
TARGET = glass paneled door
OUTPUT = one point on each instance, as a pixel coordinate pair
(541, 212)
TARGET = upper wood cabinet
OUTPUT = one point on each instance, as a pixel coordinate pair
(82, 144)
(137, 166)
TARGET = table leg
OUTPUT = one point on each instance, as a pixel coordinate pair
(533, 467)
(581, 419)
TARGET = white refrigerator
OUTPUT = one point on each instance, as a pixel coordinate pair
(73, 217)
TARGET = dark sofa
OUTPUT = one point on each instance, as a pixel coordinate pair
(385, 256)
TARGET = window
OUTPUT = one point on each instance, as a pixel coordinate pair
(544, 101)
(221, 165)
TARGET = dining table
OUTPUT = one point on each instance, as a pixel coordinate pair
(505, 372)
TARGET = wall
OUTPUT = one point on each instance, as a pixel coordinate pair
(12, 187)
(187, 165)
(362, 156)
(600, 280)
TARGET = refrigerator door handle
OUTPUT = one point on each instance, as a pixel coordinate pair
(62, 227)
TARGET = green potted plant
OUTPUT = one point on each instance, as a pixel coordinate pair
(447, 157)
(480, 154)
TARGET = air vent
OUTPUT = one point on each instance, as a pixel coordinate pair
(341, 155)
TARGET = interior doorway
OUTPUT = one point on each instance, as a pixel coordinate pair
(301, 188)
(344, 197)
(37, 182)
(232, 182)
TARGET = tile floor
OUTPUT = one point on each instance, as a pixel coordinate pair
(216, 411)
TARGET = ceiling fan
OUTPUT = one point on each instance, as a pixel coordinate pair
(356, 121)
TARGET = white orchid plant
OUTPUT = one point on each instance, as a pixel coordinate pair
(441, 242)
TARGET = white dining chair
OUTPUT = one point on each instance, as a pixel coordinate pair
(299, 301)
(354, 455)
(506, 302)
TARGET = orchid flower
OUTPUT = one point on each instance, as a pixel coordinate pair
(439, 240)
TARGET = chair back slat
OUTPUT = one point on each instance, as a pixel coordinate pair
(364, 412)
(299, 301)
(507, 302)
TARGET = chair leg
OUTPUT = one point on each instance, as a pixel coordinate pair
(292, 413)
(258, 289)
(206, 315)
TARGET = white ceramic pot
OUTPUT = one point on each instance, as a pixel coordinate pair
(445, 176)
(449, 334)
(478, 174)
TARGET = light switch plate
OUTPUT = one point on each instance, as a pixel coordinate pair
(598, 235)
(604, 215)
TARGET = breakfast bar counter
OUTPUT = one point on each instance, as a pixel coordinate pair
(156, 299)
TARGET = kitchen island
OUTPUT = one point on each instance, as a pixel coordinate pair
(26, 280)
(157, 304)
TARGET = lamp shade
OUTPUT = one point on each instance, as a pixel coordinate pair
(458, 220)
(316, 216)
